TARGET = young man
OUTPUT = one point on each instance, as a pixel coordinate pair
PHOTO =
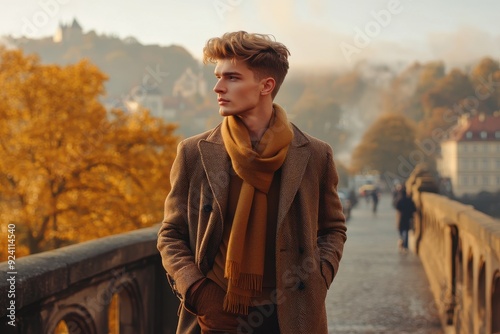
(253, 231)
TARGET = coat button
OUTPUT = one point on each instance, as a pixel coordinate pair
(207, 208)
(301, 286)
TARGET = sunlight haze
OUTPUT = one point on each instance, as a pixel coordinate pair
(318, 32)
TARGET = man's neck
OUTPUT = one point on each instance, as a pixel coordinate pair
(258, 123)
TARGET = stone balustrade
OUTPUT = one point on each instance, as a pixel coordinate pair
(460, 251)
(76, 285)
(458, 246)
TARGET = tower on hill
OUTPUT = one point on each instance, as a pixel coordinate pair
(68, 32)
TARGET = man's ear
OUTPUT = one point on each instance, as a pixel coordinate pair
(267, 85)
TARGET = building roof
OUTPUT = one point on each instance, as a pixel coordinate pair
(76, 25)
(477, 128)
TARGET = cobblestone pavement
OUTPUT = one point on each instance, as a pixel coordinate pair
(377, 288)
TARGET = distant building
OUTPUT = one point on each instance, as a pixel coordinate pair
(190, 84)
(153, 101)
(470, 157)
(69, 32)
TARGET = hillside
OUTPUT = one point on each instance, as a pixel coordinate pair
(127, 63)
(336, 107)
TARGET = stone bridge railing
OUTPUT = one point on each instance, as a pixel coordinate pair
(460, 251)
(76, 285)
(458, 246)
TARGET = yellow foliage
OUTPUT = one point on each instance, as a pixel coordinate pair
(69, 170)
(388, 141)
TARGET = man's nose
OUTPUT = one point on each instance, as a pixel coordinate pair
(219, 88)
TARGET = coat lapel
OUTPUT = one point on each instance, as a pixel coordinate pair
(292, 172)
(217, 166)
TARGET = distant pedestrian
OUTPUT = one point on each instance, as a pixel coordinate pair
(396, 194)
(405, 209)
(374, 196)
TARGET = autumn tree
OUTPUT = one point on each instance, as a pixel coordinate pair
(348, 88)
(69, 170)
(448, 92)
(321, 117)
(485, 77)
(406, 90)
(388, 146)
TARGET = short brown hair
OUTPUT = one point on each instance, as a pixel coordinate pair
(261, 53)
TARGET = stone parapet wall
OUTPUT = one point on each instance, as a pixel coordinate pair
(76, 284)
(460, 251)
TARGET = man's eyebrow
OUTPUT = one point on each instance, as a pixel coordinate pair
(226, 74)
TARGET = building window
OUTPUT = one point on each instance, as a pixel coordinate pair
(485, 180)
(497, 134)
(474, 180)
(464, 180)
(468, 135)
(485, 163)
(483, 134)
(474, 148)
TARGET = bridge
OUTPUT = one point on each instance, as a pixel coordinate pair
(448, 283)
(379, 289)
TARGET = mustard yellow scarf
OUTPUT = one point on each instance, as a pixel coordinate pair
(246, 249)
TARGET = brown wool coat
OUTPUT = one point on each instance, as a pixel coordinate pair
(310, 236)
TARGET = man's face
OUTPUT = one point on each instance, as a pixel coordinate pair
(238, 91)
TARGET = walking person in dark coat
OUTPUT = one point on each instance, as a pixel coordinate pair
(405, 208)
(375, 197)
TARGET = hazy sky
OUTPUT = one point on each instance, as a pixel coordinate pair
(318, 32)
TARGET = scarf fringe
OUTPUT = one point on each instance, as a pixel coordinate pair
(236, 303)
(243, 280)
(232, 270)
(250, 282)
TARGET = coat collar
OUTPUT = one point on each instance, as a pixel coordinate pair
(299, 138)
(217, 166)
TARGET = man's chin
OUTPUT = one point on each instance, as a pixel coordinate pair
(224, 112)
